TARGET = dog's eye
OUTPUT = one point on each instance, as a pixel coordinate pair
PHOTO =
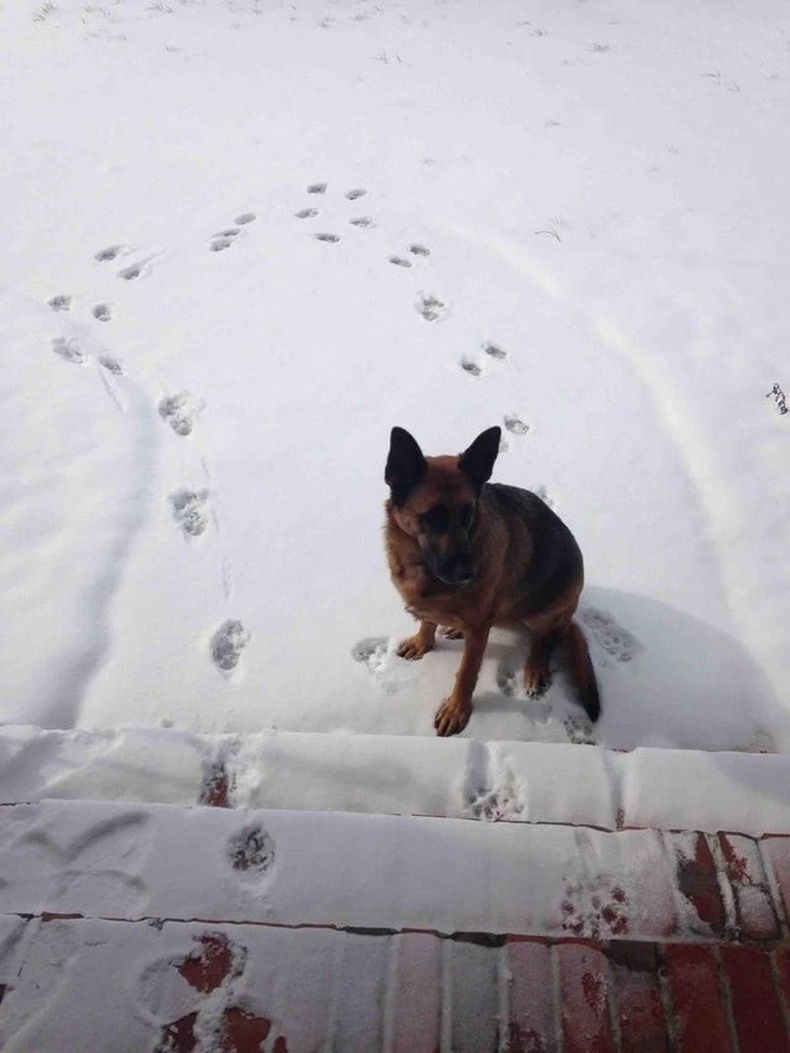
(436, 519)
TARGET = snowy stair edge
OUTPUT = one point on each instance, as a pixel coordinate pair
(350, 871)
(399, 775)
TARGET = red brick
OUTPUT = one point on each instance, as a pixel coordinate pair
(782, 963)
(759, 1023)
(700, 1013)
(754, 908)
(584, 987)
(472, 969)
(637, 996)
(777, 851)
(180, 1035)
(243, 1032)
(532, 1023)
(359, 993)
(416, 995)
(208, 967)
(698, 881)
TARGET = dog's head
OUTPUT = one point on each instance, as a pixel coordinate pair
(434, 499)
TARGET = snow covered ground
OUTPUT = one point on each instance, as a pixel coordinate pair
(243, 239)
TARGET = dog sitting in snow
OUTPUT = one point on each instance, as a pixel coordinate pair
(467, 555)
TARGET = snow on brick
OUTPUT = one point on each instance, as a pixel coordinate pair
(754, 908)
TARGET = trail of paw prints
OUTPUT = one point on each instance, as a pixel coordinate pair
(378, 654)
(180, 411)
(478, 365)
(312, 212)
(69, 350)
(580, 731)
(595, 908)
(223, 239)
(431, 308)
(618, 643)
(111, 364)
(416, 250)
(514, 425)
(111, 252)
(251, 853)
(227, 645)
(492, 792)
(132, 271)
(135, 270)
(192, 511)
(199, 993)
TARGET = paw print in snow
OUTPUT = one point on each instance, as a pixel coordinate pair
(251, 851)
(227, 643)
(579, 731)
(616, 641)
(431, 308)
(379, 656)
(205, 980)
(498, 804)
(69, 350)
(595, 909)
(180, 411)
(191, 510)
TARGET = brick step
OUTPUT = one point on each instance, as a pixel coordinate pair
(386, 774)
(354, 871)
(84, 984)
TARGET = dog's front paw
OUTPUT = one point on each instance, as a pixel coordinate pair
(415, 647)
(452, 717)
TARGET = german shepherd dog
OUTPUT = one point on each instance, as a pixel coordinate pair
(466, 554)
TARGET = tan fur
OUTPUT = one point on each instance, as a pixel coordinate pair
(507, 589)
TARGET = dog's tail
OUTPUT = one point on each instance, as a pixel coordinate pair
(582, 671)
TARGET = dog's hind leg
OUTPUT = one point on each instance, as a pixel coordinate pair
(582, 671)
(537, 676)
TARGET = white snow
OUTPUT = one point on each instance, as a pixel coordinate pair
(302, 868)
(209, 327)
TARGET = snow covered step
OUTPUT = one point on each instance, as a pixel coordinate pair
(405, 775)
(355, 871)
(86, 984)
(94, 985)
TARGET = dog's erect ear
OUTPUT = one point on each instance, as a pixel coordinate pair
(405, 465)
(477, 462)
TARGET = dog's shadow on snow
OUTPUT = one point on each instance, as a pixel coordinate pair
(666, 678)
